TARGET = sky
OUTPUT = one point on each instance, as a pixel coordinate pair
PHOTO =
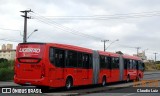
(135, 23)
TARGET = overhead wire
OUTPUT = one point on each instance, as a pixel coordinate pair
(48, 21)
(106, 17)
(12, 40)
(10, 29)
(4, 39)
(64, 28)
(51, 22)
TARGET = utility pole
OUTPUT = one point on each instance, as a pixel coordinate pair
(104, 44)
(25, 24)
(137, 50)
(155, 55)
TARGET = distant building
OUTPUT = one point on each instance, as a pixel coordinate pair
(3, 47)
(7, 52)
(9, 46)
(141, 55)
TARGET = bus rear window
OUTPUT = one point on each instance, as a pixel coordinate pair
(30, 50)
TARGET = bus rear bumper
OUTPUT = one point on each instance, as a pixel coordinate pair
(35, 82)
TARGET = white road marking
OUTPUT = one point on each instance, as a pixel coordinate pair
(129, 94)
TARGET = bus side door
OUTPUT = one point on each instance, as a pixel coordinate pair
(85, 73)
(132, 69)
(59, 63)
(56, 72)
(83, 65)
(115, 72)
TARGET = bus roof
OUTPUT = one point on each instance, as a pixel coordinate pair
(108, 54)
(131, 57)
(32, 43)
(70, 47)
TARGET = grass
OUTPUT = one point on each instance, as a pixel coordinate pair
(152, 67)
(6, 70)
(158, 66)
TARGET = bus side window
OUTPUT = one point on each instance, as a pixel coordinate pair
(85, 60)
(59, 58)
(128, 64)
(115, 62)
(51, 55)
(131, 64)
(71, 59)
(141, 65)
(80, 60)
(102, 61)
(137, 65)
(134, 64)
(125, 63)
(106, 62)
(109, 62)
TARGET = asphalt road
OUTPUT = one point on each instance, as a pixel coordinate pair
(93, 90)
(124, 94)
(147, 76)
(121, 93)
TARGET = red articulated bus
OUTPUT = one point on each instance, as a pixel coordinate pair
(61, 65)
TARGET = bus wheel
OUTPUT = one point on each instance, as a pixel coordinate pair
(128, 79)
(69, 83)
(104, 81)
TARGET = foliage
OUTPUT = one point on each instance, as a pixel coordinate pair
(3, 60)
(158, 66)
(151, 66)
(6, 70)
(157, 62)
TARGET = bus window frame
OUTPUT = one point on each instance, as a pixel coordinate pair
(66, 52)
(54, 62)
(114, 64)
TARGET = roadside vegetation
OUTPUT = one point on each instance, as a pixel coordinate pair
(6, 70)
(151, 66)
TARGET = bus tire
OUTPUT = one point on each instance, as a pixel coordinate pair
(104, 81)
(69, 83)
(128, 79)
